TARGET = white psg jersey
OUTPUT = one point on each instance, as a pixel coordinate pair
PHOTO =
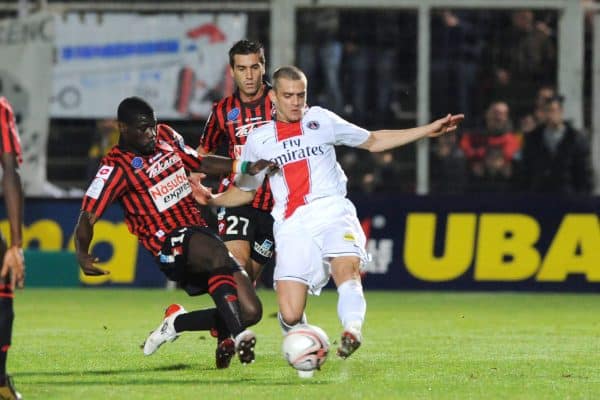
(305, 153)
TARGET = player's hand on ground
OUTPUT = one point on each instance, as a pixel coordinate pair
(14, 265)
(257, 166)
(201, 193)
(446, 125)
(87, 263)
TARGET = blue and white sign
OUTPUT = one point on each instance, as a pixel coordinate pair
(172, 61)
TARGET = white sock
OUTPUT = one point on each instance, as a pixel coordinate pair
(285, 328)
(352, 305)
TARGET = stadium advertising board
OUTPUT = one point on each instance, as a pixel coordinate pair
(417, 242)
(178, 62)
(25, 79)
(491, 242)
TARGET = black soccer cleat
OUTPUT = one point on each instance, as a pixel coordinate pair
(225, 352)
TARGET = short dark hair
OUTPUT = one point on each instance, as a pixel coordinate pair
(288, 72)
(244, 47)
(556, 98)
(132, 107)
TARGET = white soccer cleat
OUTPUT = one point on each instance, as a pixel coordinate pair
(244, 346)
(165, 331)
(349, 343)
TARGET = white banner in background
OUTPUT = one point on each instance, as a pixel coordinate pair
(26, 46)
(179, 64)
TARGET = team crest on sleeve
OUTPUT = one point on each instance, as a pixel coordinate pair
(314, 125)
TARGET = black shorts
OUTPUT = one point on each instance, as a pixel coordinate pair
(251, 225)
(172, 260)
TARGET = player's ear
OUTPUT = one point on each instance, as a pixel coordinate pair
(122, 127)
(272, 96)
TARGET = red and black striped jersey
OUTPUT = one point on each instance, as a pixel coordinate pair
(9, 135)
(152, 189)
(233, 120)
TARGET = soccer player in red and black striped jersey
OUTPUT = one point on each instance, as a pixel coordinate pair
(247, 230)
(13, 265)
(147, 174)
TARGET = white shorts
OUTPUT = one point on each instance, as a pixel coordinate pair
(317, 232)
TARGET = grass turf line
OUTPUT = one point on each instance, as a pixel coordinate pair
(84, 344)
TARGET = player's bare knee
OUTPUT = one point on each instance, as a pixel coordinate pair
(253, 313)
(291, 318)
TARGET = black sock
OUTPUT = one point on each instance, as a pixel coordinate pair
(223, 290)
(6, 321)
(3, 355)
(200, 320)
(222, 330)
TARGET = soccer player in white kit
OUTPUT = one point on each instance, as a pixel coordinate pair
(317, 233)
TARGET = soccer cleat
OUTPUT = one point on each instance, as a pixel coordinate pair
(350, 342)
(165, 331)
(244, 346)
(8, 392)
(225, 351)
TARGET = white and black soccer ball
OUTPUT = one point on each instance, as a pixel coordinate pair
(305, 347)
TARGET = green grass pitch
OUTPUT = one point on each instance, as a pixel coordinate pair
(84, 344)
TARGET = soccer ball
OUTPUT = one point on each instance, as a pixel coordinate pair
(305, 347)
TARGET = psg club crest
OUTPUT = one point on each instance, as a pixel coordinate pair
(314, 125)
(137, 162)
(233, 114)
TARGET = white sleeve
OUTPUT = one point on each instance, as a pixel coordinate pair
(244, 181)
(346, 133)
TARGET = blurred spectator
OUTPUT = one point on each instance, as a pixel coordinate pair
(456, 47)
(387, 170)
(556, 157)
(536, 117)
(374, 45)
(496, 135)
(105, 137)
(356, 165)
(357, 53)
(373, 172)
(522, 57)
(448, 166)
(496, 173)
(320, 50)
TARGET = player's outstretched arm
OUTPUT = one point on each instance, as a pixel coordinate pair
(218, 165)
(232, 197)
(13, 262)
(391, 138)
(84, 232)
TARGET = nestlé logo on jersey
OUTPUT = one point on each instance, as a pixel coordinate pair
(295, 152)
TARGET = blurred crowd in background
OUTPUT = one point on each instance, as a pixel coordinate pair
(496, 67)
